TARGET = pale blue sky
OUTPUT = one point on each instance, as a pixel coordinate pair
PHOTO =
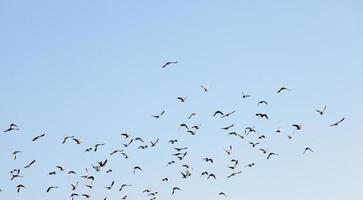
(93, 69)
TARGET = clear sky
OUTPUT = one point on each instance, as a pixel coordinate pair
(93, 69)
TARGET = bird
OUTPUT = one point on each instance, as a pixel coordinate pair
(124, 185)
(307, 149)
(218, 112)
(222, 194)
(264, 151)
(234, 174)
(212, 175)
(110, 187)
(205, 88)
(227, 127)
(173, 141)
(337, 123)
(125, 135)
(271, 154)
(262, 102)
(191, 115)
(297, 126)
(182, 99)
(245, 95)
(228, 151)
(102, 164)
(78, 141)
(66, 138)
(18, 187)
(282, 89)
(12, 127)
(174, 189)
(139, 139)
(136, 168)
(116, 151)
(254, 144)
(228, 114)
(154, 143)
(321, 112)
(37, 137)
(169, 63)
(51, 187)
(208, 160)
(262, 115)
(30, 164)
(158, 116)
(15, 153)
(97, 145)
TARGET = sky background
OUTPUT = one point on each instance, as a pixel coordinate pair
(93, 69)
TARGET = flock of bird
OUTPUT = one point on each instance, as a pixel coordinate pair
(179, 154)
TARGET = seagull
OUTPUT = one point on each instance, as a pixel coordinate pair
(321, 112)
(158, 116)
(229, 151)
(208, 160)
(307, 149)
(297, 126)
(182, 99)
(124, 185)
(262, 102)
(282, 89)
(271, 154)
(66, 138)
(110, 187)
(228, 127)
(51, 187)
(154, 143)
(218, 112)
(234, 174)
(136, 168)
(169, 63)
(12, 127)
(262, 115)
(16, 152)
(175, 188)
(205, 88)
(254, 144)
(222, 194)
(116, 151)
(30, 164)
(337, 123)
(211, 175)
(228, 114)
(191, 115)
(125, 135)
(18, 187)
(37, 137)
(245, 95)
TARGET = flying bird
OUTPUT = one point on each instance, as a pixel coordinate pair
(158, 116)
(169, 63)
(37, 137)
(321, 112)
(245, 95)
(337, 123)
(283, 89)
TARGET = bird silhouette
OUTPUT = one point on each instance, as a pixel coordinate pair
(321, 112)
(337, 123)
(169, 63)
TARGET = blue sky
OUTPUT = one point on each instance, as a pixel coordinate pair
(93, 69)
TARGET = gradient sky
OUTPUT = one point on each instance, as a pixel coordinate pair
(93, 69)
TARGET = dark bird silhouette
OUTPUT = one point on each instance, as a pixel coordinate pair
(283, 89)
(51, 187)
(78, 141)
(218, 112)
(173, 141)
(102, 164)
(321, 112)
(228, 114)
(228, 127)
(254, 144)
(66, 138)
(169, 63)
(125, 135)
(18, 187)
(110, 187)
(234, 174)
(174, 189)
(245, 95)
(191, 115)
(182, 99)
(262, 102)
(271, 154)
(37, 137)
(15, 153)
(136, 168)
(139, 139)
(222, 194)
(297, 126)
(116, 151)
(12, 127)
(262, 115)
(154, 143)
(212, 175)
(264, 151)
(337, 123)
(158, 116)
(124, 185)
(307, 149)
(205, 88)
(208, 160)
(30, 164)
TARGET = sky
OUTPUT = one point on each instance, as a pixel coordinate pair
(93, 69)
